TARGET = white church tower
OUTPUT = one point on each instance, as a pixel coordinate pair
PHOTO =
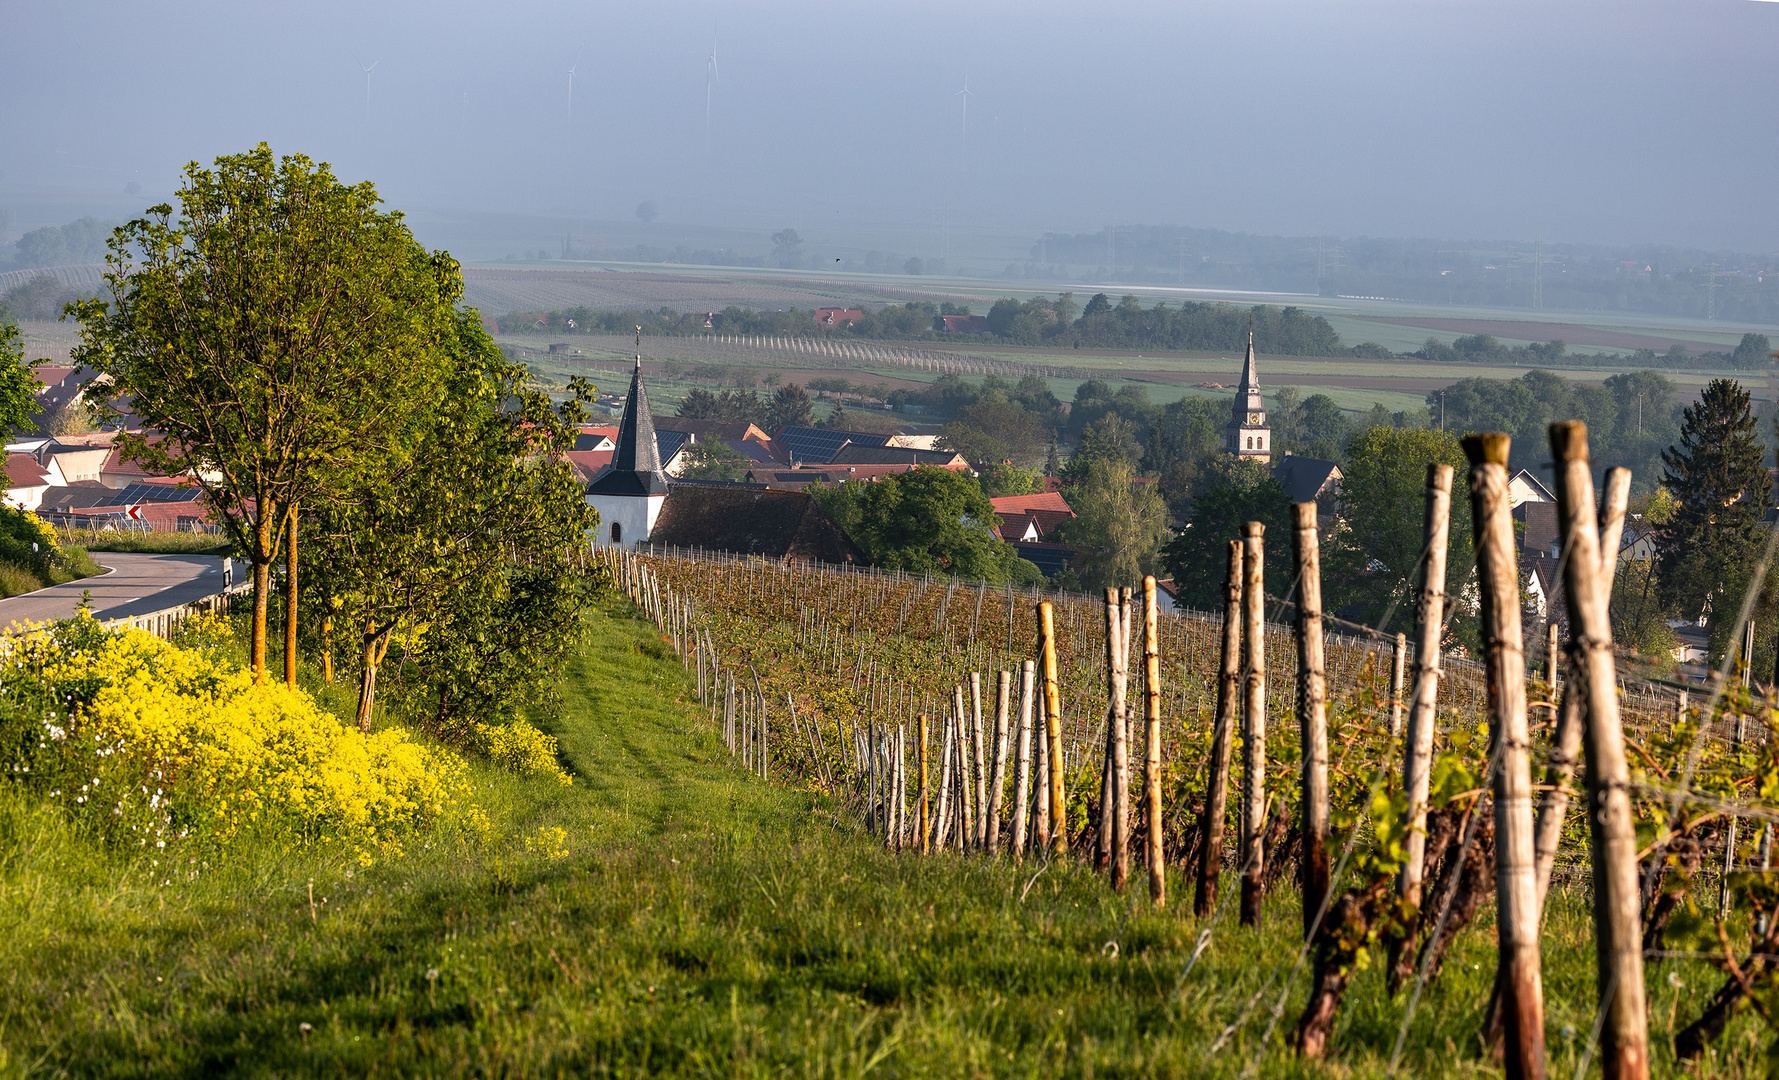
(629, 493)
(1246, 434)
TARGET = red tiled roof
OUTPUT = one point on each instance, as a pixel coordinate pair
(22, 470)
(1048, 500)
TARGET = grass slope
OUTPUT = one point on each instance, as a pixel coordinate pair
(687, 919)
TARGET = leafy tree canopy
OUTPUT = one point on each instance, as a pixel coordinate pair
(930, 520)
(1233, 491)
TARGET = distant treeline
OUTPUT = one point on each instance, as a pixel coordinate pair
(77, 242)
(1732, 286)
(1100, 324)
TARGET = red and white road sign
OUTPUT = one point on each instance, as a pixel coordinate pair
(134, 513)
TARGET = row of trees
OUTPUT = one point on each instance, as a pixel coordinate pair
(307, 363)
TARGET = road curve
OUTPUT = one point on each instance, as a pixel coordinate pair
(136, 585)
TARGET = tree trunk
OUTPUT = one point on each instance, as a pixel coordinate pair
(1344, 933)
(1624, 1037)
(261, 556)
(1519, 976)
(1254, 722)
(290, 601)
(367, 687)
(1312, 715)
(1210, 851)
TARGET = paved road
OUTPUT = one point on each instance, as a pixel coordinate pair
(136, 585)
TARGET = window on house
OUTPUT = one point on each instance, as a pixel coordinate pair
(617, 533)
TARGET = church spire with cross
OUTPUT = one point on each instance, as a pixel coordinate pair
(1247, 433)
(628, 493)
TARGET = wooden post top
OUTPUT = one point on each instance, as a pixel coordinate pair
(1569, 440)
(1303, 515)
(1254, 530)
(1487, 448)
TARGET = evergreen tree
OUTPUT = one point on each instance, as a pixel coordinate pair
(789, 406)
(1053, 461)
(1718, 478)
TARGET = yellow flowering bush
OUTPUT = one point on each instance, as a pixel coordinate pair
(521, 748)
(178, 742)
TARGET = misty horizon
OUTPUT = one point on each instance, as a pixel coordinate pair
(1580, 123)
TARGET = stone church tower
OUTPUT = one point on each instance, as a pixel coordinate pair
(1246, 434)
(629, 493)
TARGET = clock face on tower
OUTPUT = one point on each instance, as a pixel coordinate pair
(1256, 419)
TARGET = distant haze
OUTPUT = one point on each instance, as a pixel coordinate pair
(1609, 123)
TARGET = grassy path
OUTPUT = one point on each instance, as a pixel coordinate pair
(667, 915)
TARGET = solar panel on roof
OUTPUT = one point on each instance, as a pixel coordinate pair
(817, 447)
(154, 493)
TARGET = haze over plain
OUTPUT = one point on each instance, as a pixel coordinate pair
(1609, 123)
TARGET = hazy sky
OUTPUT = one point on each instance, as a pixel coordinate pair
(1617, 122)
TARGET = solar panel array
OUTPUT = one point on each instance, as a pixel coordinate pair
(154, 493)
(814, 446)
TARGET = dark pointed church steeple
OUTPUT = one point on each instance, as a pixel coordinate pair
(636, 464)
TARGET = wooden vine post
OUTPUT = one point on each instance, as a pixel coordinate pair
(1417, 757)
(1398, 668)
(1152, 748)
(1121, 816)
(1102, 852)
(1624, 1034)
(998, 779)
(1519, 981)
(1210, 860)
(1022, 771)
(1059, 825)
(925, 822)
(1312, 713)
(1565, 748)
(1253, 721)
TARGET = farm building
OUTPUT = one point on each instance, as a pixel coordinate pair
(785, 526)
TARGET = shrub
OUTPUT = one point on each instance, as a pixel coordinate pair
(522, 748)
(144, 742)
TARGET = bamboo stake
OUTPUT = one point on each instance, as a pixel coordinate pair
(1022, 769)
(1519, 981)
(998, 780)
(1152, 748)
(1312, 713)
(1624, 1045)
(1253, 722)
(1056, 818)
(1417, 757)
(1210, 866)
(1565, 748)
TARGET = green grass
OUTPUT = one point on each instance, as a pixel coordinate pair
(699, 923)
(159, 543)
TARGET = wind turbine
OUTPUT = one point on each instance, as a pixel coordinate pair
(367, 83)
(965, 94)
(576, 64)
(710, 78)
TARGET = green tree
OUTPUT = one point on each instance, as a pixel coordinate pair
(1232, 492)
(1110, 438)
(18, 382)
(281, 334)
(1717, 476)
(1752, 353)
(1002, 479)
(930, 520)
(1184, 430)
(1372, 561)
(713, 459)
(789, 406)
(457, 538)
(787, 248)
(1119, 525)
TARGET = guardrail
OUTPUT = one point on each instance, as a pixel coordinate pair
(162, 623)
